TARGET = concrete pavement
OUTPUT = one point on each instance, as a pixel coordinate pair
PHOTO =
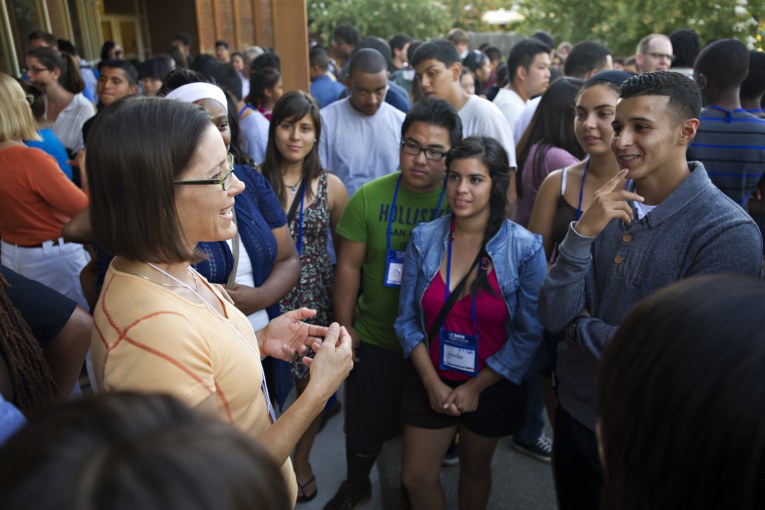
(519, 482)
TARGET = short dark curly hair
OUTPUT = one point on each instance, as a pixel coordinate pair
(724, 63)
(684, 95)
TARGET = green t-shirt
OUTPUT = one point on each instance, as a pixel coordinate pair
(365, 220)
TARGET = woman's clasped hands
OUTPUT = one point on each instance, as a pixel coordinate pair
(287, 336)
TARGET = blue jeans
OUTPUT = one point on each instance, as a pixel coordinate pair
(533, 417)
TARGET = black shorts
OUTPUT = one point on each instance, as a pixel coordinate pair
(373, 397)
(44, 310)
(499, 413)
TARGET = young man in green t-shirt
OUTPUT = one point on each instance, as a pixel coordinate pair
(374, 230)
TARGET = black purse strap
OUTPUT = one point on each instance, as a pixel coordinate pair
(453, 297)
(294, 206)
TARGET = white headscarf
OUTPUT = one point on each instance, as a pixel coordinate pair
(196, 91)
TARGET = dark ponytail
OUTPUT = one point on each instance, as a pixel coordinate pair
(70, 78)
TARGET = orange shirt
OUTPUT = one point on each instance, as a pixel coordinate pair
(36, 198)
(147, 338)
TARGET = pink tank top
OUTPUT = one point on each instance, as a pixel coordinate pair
(491, 318)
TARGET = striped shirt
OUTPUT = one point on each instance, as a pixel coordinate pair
(731, 145)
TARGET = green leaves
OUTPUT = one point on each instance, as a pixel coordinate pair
(617, 23)
(421, 19)
(620, 24)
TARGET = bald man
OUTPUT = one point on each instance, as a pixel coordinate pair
(654, 53)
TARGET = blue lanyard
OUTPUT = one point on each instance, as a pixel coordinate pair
(390, 215)
(244, 109)
(393, 209)
(449, 277)
(581, 189)
(440, 201)
(300, 223)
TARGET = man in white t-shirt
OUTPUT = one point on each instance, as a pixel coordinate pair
(584, 60)
(437, 70)
(528, 66)
(360, 134)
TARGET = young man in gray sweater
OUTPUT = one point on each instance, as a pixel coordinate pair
(659, 220)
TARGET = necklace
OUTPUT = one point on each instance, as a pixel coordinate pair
(293, 187)
(181, 284)
(226, 320)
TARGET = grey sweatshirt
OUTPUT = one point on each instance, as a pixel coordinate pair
(695, 230)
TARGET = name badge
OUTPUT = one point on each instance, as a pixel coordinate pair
(459, 352)
(394, 268)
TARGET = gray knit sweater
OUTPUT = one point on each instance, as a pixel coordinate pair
(695, 230)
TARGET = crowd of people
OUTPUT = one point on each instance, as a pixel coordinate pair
(469, 247)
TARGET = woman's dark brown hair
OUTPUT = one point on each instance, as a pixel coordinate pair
(70, 77)
(680, 397)
(493, 156)
(141, 146)
(551, 126)
(292, 107)
(125, 451)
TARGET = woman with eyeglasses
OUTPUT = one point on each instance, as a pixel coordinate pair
(162, 182)
(313, 200)
(468, 320)
(259, 265)
(36, 199)
(50, 142)
(66, 107)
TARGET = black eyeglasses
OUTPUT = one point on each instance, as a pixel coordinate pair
(224, 180)
(414, 149)
(660, 56)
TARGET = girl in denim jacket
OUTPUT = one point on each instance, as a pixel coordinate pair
(471, 361)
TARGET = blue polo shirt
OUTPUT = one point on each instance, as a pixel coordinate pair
(326, 90)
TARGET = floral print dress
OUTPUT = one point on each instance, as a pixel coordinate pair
(314, 289)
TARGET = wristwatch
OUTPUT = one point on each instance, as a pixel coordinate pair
(571, 332)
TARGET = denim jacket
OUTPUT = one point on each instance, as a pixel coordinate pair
(519, 262)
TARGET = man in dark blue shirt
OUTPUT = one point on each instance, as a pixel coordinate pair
(324, 88)
(730, 141)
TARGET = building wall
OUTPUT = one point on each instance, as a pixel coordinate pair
(269, 23)
(242, 23)
(168, 17)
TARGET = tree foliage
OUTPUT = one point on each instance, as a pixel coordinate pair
(618, 23)
(621, 24)
(418, 18)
